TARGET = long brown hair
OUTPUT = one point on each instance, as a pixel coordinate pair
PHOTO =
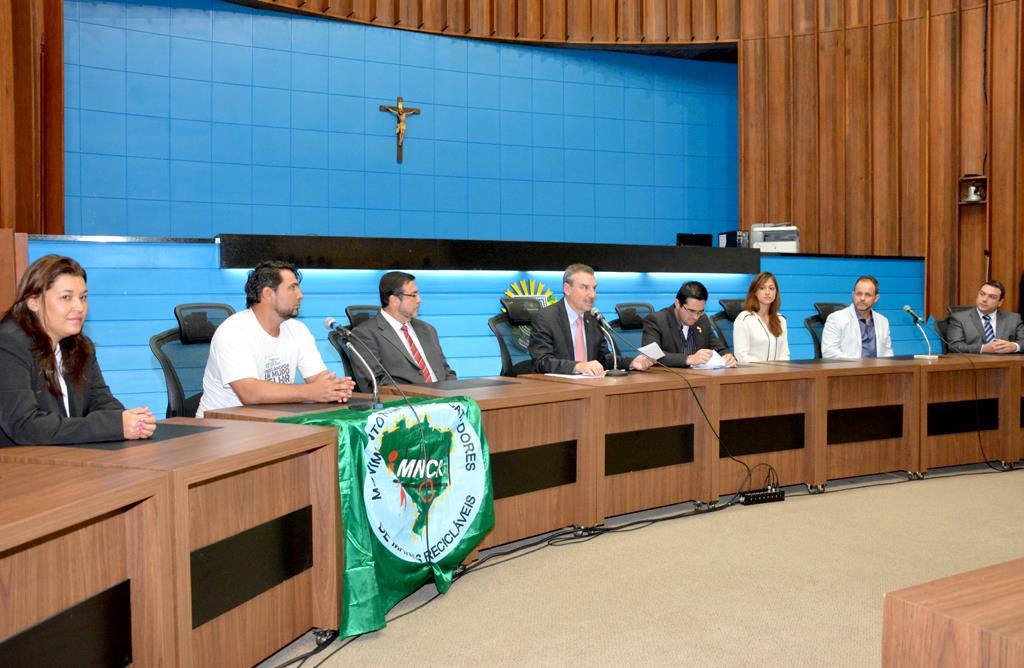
(751, 303)
(75, 350)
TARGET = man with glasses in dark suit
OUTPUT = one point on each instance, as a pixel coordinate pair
(407, 346)
(683, 330)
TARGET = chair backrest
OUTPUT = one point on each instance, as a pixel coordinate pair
(815, 325)
(731, 308)
(957, 308)
(182, 352)
(942, 329)
(513, 341)
(358, 313)
(335, 338)
(825, 309)
(723, 327)
(632, 314)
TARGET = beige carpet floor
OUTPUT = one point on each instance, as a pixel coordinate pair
(784, 584)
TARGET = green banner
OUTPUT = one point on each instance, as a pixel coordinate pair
(415, 499)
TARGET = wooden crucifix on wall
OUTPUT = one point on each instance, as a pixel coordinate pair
(400, 111)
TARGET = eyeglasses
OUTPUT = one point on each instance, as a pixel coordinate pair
(693, 311)
(411, 295)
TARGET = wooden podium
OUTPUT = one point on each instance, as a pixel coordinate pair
(85, 566)
(254, 529)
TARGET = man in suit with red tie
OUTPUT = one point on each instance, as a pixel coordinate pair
(986, 329)
(567, 339)
(684, 331)
(405, 345)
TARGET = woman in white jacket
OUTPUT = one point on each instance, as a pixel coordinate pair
(759, 332)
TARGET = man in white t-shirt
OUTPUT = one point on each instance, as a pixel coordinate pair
(255, 353)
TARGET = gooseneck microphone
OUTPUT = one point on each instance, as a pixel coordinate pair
(605, 327)
(346, 338)
(917, 322)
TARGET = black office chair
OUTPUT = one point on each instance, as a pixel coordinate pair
(815, 325)
(513, 342)
(335, 338)
(630, 323)
(360, 312)
(723, 320)
(942, 329)
(825, 309)
(958, 308)
(182, 352)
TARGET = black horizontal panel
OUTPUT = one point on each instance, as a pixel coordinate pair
(531, 469)
(238, 568)
(870, 423)
(648, 449)
(770, 433)
(958, 417)
(95, 632)
(1022, 412)
(313, 252)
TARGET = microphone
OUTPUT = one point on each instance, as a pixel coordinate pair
(917, 322)
(346, 338)
(605, 327)
(910, 311)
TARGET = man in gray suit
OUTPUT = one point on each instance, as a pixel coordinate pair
(986, 329)
(407, 347)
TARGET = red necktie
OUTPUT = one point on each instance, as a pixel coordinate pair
(416, 354)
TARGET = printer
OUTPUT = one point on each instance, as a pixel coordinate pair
(775, 238)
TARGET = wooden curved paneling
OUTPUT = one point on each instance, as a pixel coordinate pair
(565, 21)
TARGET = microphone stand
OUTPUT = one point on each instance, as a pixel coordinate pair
(615, 370)
(373, 377)
(929, 356)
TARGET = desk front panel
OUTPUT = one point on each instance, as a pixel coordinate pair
(766, 421)
(85, 555)
(967, 411)
(871, 423)
(656, 449)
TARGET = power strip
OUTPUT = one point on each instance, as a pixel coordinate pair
(764, 495)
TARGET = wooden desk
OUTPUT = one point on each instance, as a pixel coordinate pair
(970, 619)
(84, 566)
(764, 414)
(543, 469)
(254, 536)
(655, 448)
(870, 411)
(959, 398)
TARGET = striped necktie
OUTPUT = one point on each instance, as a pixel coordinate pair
(990, 334)
(689, 345)
(416, 354)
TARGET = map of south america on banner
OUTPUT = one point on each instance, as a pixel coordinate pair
(415, 499)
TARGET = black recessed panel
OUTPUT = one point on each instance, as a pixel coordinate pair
(95, 632)
(871, 423)
(648, 449)
(751, 436)
(314, 252)
(238, 568)
(1022, 409)
(958, 417)
(531, 469)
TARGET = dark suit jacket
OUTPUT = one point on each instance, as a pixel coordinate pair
(663, 327)
(966, 333)
(384, 343)
(551, 344)
(29, 414)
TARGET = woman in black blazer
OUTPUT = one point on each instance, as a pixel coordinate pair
(51, 389)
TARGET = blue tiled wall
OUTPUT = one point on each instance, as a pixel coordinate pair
(189, 119)
(134, 287)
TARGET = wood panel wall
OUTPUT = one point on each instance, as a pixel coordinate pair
(32, 116)
(572, 21)
(858, 118)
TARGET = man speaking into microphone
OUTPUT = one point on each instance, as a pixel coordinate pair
(684, 331)
(567, 337)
